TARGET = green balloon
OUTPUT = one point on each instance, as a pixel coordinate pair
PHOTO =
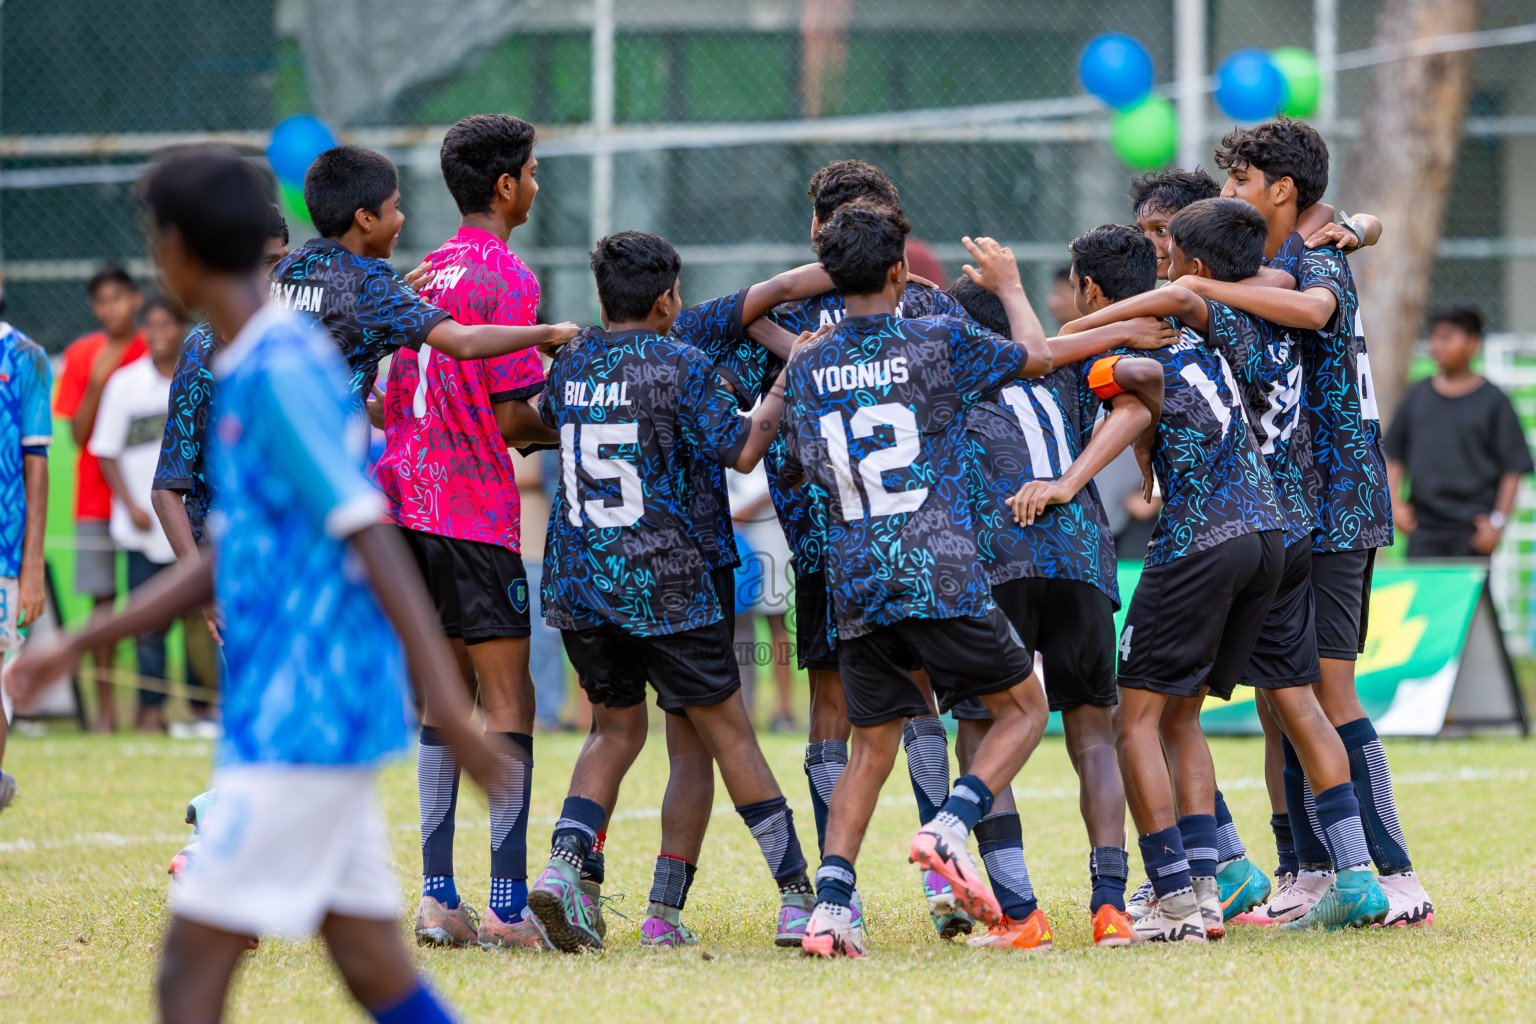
(292, 200)
(1303, 85)
(1146, 136)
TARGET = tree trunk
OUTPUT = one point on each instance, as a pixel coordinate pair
(1410, 133)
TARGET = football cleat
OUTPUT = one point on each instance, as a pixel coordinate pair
(832, 932)
(1209, 895)
(948, 919)
(556, 900)
(7, 789)
(795, 910)
(1409, 904)
(1113, 927)
(1243, 886)
(1141, 901)
(436, 925)
(1291, 900)
(942, 851)
(523, 933)
(1034, 932)
(1353, 900)
(1172, 919)
(662, 928)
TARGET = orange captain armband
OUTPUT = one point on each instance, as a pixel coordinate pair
(1101, 378)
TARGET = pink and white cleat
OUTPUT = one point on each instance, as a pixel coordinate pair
(1292, 898)
(1408, 905)
(834, 932)
(942, 851)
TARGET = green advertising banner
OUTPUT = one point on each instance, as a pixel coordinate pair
(1434, 660)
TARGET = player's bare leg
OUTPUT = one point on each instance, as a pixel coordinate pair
(197, 963)
(685, 812)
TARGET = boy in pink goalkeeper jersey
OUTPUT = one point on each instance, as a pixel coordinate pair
(449, 480)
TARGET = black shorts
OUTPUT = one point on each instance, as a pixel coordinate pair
(1072, 625)
(1193, 621)
(724, 581)
(692, 669)
(813, 634)
(1286, 652)
(480, 590)
(1341, 587)
(965, 657)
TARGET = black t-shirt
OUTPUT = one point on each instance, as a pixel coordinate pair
(1455, 450)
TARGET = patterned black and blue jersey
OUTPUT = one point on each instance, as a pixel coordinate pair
(1214, 481)
(632, 409)
(1348, 477)
(1266, 362)
(364, 304)
(875, 417)
(1032, 430)
(181, 465)
(714, 328)
(757, 369)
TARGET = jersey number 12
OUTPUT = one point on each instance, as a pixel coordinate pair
(899, 455)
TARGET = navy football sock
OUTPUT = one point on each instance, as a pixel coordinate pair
(1198, 831)
(1373, 786)
(669, 885)
(835, 880)
(927, 764)
(1109, 868)
(772, 824)
(1310, 851)
(437, 789)
(418, 1006)
(968, 803)
(1229, 845)
(1285, 845)
(1162, 853)
(508, 797)
(1338, 811)
(1000, 839)
(824, 764)
(581, 820)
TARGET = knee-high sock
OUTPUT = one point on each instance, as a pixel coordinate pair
(1285, 845)
(1310, 851)
(1373, 785)
(1338, 811)
(1000, 840)
(1199, 834)
(824, 764)
(1229, 845)
(1109, 868)
(437, 789)
(772, 824)
(928, 764)
(508, 797)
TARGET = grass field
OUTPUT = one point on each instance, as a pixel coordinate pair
(82, 902)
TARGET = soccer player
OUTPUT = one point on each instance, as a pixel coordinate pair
(88, 362)
(26, 430)
(449, 483)
(882, 400)
(1053, 574)
(1211, 573)
(313, 703)
(1223, 239)
(623, 579)
(1279, 167)
(342, 279)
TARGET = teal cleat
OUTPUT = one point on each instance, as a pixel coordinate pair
(949, 919)
(1243, 887)
(1354, 900)
(556, 899)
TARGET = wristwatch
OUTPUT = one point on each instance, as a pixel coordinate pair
(1498, 520)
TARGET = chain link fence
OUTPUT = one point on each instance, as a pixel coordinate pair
(699, 120)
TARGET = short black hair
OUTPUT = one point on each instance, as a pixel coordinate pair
(218, 203)
(842, 181)
(860, 244)
(342, 181)
(159, 302)
(1120, 258)
(1171, 190)
(1281, 148)
(633, 269)
(110, 273)
(1466, 318)
(277, 224)
(1227, 235)
(478, 151)
(981, 305)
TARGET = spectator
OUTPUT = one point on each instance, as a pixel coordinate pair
(88, 362)
(1131, 517)
(130, 424)
(1059, 301)
(762, 590)
(1458, 443)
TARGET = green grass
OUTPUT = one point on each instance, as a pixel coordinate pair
(82, 902)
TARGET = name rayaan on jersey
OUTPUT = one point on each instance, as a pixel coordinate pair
(828, 317)
(301, 297)
(883, 374)
(580, 394)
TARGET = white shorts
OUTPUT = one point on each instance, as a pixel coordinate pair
(10, 614)
(286, 845)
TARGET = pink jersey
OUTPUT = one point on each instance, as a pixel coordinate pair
(445, 468)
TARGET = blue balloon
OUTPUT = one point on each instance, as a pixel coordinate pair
(1117, 69)
(296, 141)
(1249, 87)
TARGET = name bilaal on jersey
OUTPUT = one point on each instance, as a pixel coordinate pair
(364, 304)
(1347, 482)
(1214, 482)
(1031, 430)
(632, 409)
(1266, 363)
(876, 420)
